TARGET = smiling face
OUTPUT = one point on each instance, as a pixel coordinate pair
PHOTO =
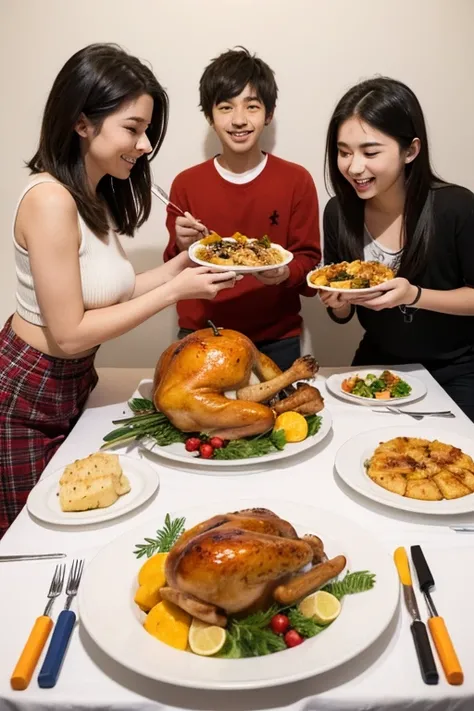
(239, 122)
(119, 143)
(370, 160)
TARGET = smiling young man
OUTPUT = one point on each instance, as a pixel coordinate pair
(246, 190)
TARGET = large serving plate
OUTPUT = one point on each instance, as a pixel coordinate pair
(111, 618)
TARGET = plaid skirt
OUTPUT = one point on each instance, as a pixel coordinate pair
(41, 398)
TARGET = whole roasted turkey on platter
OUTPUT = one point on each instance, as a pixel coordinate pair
(240, 562)
(194, 376)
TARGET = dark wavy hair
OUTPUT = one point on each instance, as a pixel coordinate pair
(228, 75)
(95, 82)
(392, 108)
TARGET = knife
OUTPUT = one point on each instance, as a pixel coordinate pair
(439, 633)
(33, 556)
(418, 629)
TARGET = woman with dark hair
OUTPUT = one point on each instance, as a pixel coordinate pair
(105, 118)
(390, 207)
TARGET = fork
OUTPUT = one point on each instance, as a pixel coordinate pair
(28, 660)
(418, 415)
(49, 672)
(164, 197)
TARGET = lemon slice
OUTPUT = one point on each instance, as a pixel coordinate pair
(321, 607)
(205, 639)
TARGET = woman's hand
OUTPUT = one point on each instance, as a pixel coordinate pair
(273, 277)
(200, 283)
(333, 300)
(396, 292)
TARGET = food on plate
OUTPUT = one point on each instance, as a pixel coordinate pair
(294, 425)
(94, 482)
(238, 251)
(151, 579)
(203, 398)
(193, 376)
(385, 386)
(227, 577)
(351, 275)
(422, 469)
(169, 623)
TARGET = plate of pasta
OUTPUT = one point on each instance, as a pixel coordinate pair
(239, 253)
(356, 276)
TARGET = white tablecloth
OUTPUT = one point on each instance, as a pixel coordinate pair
(386, 676)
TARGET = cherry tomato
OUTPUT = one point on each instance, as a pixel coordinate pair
(192, 444)
(216, 442)
(206, 451)
(279, 624)
(293, 639)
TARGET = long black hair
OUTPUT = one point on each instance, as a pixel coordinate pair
(95, 82)
(392, 108)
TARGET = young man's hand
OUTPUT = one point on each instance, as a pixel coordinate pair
(188, 230)
(273, 277)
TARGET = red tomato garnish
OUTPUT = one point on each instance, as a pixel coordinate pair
(192, 444)
(293, 639)
(206, 451)
(216, 442)
(279, 624)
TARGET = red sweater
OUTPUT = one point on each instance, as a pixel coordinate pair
(282, 203)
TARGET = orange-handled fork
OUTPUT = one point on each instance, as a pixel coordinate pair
(28, 660)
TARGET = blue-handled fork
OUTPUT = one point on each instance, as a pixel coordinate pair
(49, 673)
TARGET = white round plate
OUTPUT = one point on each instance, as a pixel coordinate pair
(287, 258)
(351, 456)
(43, 501)
(114, 621)
(334, 383)
(368, 290)
(178, 453)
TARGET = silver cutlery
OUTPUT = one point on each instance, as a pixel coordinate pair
(53, 660)
(33, 556)
(164, 197)
(416, 415)
(463, 528)
(28, 660)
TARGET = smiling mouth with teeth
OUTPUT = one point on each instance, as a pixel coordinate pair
(129, 160)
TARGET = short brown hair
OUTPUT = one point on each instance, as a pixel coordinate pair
(227, 75)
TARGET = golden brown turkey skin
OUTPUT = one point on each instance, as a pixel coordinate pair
(193, 375)
(235, 560)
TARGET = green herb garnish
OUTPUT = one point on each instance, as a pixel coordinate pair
(145, 422)
(305, 626)
(252, 447)
(352, 583)
(251, 636)
(165, 538)
(400, 389)
(314, 423)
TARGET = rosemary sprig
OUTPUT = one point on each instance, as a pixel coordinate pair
(352, 583)
(165, 538)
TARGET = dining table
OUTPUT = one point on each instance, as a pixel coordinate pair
(384, 677)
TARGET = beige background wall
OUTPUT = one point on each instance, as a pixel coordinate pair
(318, 49)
